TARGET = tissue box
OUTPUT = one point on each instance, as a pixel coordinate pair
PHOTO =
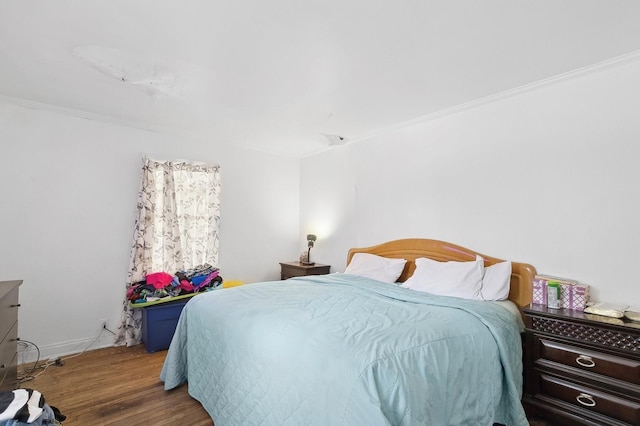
(573, 295)
(579, 297)
(540, 291)
(565, 294)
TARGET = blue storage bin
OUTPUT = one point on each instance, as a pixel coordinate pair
(159, 323)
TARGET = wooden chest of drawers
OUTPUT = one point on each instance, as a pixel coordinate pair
(581, 369)
(9, 334)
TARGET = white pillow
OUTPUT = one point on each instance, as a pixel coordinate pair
(496, 282)
(375, 267)
(455, 279)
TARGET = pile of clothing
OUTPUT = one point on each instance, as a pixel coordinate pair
(158, 285)
(27, 407)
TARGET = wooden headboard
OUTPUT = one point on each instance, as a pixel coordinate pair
(522, 274)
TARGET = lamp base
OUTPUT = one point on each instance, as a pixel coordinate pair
(308, 263)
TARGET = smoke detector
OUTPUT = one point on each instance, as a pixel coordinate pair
(335, 139)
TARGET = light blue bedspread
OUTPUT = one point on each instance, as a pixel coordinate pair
(344, 350)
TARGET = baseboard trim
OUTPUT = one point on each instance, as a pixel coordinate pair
(28, 353)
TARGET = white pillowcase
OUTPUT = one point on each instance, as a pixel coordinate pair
(496, 282)
(455, 279)
(375, 267)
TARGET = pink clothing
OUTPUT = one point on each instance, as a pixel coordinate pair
(186, 285)
(159, 279)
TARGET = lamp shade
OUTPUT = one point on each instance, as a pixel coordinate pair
(311, 239)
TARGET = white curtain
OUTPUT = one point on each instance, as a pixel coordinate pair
(177, 228)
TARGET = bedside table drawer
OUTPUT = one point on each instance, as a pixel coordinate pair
(613, 366)
(590, 399)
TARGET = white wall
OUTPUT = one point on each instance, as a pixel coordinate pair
(548, 176)
(69, 190)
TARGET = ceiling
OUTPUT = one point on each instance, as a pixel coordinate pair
(278, 75)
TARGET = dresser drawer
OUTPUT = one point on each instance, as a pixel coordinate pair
(8, 359)
(8, 312)
(9, 375)
(592, 400)
(613, 366)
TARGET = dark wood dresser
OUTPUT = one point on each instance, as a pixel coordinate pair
(297, 269)
(581, 369)
(9, 334)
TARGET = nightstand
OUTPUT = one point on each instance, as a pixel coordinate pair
(581, 369)
(297, 269)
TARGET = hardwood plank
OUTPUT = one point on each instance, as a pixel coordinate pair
(116, 386)
(120, 386)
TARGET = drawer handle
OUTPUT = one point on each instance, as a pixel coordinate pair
(586, 400)
(15, 306)
(586, 361)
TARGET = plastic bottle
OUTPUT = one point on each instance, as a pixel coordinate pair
(553, 295)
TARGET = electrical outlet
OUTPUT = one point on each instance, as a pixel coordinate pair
(104, 324)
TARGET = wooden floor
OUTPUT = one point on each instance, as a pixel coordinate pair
(119, 386)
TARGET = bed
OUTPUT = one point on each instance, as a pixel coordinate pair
(344, 349)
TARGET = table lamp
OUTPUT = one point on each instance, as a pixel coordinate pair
(310, 240)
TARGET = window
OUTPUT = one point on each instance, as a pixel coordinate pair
(177, 226)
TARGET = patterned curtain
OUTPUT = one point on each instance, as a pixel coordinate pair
(177, 228)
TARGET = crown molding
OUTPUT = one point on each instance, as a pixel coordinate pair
(86, 115)
(546, 82)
